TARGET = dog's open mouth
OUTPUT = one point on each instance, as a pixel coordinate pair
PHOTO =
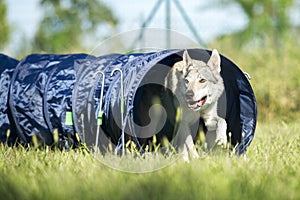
(197, 104)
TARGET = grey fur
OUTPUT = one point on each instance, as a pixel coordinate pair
(198, 86)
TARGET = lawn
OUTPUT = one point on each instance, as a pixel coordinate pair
(271, 170)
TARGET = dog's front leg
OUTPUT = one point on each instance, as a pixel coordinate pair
(189, 143)
(185, 138)
(191, 147)
(210, 138)
(216, 132)
(185, 153)
(221, 138)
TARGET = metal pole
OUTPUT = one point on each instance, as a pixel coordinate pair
(100, 112)
(145, 23)
(122, 108)
(168, 24)
(189, 22)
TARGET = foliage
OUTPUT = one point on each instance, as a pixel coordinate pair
(271, 171)
(4, 26)
(66, 24)
(275, 77)
(267, 19)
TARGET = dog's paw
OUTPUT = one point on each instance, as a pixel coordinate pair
(221, 136)
(221, 140)
(186, 158)
(185, 154)
(194, 154)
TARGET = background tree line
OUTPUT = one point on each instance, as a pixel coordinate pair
(65, 24)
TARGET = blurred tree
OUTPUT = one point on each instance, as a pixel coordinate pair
(67, 22)
(267, 19)
(4, 26)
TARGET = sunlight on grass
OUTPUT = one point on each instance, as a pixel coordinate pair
(271, 171)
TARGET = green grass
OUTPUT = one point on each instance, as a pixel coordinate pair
(270, 171)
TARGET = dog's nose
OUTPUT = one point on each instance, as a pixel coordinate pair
(189, 94)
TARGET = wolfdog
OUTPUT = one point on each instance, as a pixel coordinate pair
(198, 86)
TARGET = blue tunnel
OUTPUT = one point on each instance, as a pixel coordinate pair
(7, 67)
(97, 100)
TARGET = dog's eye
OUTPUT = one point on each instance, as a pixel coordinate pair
(202, 80)
(186, 81)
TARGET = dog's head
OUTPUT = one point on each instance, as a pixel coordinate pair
(201, 80)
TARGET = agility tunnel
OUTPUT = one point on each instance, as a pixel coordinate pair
(115, 98)
(7, 66)
(36, 98)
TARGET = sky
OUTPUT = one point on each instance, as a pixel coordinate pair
(209, 20)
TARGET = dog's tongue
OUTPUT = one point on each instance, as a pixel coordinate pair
(198, 103)
(202, 101)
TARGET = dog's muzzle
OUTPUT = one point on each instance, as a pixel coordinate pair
(194, 104)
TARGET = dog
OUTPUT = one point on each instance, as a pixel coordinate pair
(198, 86)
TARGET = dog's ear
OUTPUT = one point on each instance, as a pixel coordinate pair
(186, 58)
(214, 61)
(187, 61)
